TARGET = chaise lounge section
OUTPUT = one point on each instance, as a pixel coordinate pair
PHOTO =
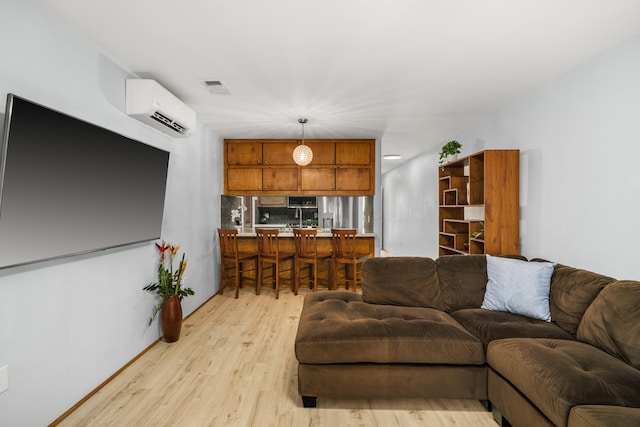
(419, 330)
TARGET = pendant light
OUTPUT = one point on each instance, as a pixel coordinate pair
(302, 154)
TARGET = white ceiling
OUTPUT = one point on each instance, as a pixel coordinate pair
(410, 72)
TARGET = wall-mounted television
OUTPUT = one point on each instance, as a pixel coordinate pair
(69, 187)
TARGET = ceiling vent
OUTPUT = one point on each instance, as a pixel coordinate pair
(216, 87)
(155, 106)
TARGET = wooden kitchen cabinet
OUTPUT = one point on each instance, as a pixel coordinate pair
(339, 167)
(275, 179)
(353, 152)
(244, 153)
(243, 180)
(325, 179)
(324, 152)
(278, 152)
(318, 179)
(353, 179)
(256, 181)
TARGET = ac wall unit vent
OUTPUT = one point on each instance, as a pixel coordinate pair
(152, 104)
(216, 87)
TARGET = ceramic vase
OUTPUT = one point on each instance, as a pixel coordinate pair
(171, 318)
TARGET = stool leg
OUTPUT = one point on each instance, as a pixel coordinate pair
(238, 278)
(330, 275)
(315, 276)
(355, 277)
(335, 279)
(259, 279)
(297, 275)
(277, 277)
(223, 269)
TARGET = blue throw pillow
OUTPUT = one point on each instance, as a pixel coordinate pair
(518, 287)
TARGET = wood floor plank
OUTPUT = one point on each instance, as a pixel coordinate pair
(234, 365)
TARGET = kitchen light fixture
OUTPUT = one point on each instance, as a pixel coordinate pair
(302, 154)
(392, 156)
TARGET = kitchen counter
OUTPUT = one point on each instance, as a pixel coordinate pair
(247, 241)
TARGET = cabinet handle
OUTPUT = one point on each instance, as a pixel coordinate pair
(259, 188)
(338, 161)
(265, 162)
(258, 161)
(265, 187)
(331, 188)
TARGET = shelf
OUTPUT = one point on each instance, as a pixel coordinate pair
(469, 189)
(447, 248)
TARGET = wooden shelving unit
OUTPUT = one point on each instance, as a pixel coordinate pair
(479, 204)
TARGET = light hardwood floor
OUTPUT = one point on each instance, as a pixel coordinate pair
(234, 365)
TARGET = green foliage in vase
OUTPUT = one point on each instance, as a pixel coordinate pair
(449, 149)
(169, 281)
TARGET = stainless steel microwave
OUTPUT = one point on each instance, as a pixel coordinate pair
(302, 202)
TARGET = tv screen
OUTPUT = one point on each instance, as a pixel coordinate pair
(69, 187)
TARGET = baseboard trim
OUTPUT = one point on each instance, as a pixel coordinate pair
(118, 372)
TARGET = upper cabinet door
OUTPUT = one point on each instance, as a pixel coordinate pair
(353, 179)
(244, 153)
(353, 153)
(318, 179)
(243, 180)
(324, 152)
(278, 152)
(280, 179)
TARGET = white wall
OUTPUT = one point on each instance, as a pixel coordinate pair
(67, 325)
(579, 137)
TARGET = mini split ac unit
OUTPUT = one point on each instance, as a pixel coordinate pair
(152, 104)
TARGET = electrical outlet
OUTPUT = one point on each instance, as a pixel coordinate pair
(4, 378)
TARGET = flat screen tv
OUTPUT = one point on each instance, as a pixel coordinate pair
(69, 187)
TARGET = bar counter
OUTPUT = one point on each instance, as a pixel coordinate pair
(365, 242)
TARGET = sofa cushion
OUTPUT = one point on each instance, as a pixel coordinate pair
(406, 281)
(556, 375)
(603, 416)
(612, 322)
(338, 327)
(462, 280)
(489, 325)
(518, 287)
(572, 290)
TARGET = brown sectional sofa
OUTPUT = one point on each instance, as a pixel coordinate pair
(418, 330)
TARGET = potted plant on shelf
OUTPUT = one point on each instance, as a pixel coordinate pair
(449, 150)
(171, 291)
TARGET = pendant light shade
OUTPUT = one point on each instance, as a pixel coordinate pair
(302, 154)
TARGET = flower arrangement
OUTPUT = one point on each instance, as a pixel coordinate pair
(169, 281)
(236, 216)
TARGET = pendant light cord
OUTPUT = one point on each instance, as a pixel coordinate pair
(302, 122)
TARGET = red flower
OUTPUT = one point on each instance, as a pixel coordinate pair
(162, 248)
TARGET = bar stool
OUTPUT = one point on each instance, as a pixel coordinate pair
(229, 255)
(269, 252)
(307, 253)
(344, 252)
